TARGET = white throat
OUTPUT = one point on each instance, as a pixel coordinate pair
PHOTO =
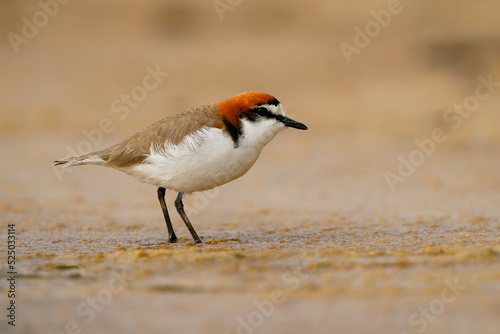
(258, 134)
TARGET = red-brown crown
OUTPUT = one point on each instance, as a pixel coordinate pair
(233, 107)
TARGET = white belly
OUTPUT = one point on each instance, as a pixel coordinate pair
(203, 160)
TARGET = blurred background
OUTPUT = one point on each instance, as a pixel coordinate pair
(66, 67)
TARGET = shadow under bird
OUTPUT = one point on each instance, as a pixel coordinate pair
(197, 149)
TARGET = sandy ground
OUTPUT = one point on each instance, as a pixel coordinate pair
(314, 238)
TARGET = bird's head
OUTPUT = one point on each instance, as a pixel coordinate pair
(256, 115)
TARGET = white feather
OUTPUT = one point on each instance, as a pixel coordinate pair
(93, 160)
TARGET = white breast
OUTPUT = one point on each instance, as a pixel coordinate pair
(205, 159)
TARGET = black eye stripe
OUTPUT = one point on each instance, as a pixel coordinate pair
(260, 111)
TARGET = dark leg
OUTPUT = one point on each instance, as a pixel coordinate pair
(180, 209)
(161, 197)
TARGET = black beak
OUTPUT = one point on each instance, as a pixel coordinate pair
(292, 124)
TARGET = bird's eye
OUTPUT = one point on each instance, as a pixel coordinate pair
(261, 111)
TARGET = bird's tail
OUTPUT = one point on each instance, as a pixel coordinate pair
(94, 158)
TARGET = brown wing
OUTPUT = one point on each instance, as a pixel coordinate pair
(135, 148)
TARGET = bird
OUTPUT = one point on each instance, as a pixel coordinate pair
(195, 150)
